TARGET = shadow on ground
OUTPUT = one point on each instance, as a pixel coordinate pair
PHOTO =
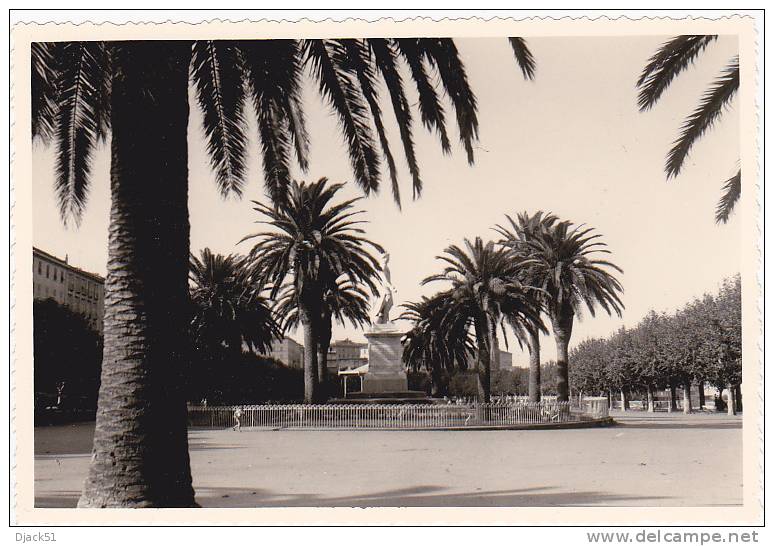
(419, 496)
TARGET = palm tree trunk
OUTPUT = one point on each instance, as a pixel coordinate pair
(533, 344)
(140, 452)
(310, 354)
(436, 382)
(484, 372)
(561, 323)
(323, 344)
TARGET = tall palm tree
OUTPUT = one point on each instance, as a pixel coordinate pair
(312, 241)
(664, 66)
(138, 91)
(562, 264)
(342, 300)
(228, 309)
(438, 339)
(485, 291)
(526, 227)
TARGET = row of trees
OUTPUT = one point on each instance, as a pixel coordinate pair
(541, 266)
(700, 343)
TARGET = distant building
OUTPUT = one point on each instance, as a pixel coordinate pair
(76, 289)
(288, 352)
(346, 354)
(506, 360)
(503, 361)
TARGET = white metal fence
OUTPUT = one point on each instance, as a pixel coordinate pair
(383, 416)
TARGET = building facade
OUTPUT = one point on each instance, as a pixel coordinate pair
(288, 352)
(346, 354)
(76, 289)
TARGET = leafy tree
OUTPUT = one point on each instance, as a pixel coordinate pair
(672, 58)
(312, 241)
(562, 265)
(138, 91)
(485, 290)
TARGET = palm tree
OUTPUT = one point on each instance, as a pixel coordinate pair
(138, 91)
(438, 339)
(562, 265)
(526, 227)
(485, 291)
(342, 300)
(313, 241)
(665, 65)
(228, 309)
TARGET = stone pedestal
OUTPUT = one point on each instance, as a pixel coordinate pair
(386, 371)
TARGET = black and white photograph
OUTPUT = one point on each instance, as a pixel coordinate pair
(464, 264)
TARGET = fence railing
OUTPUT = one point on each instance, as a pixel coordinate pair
(382, 416)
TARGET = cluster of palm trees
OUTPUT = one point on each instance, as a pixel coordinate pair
(138, 92)
(540, 266)
(311, 267)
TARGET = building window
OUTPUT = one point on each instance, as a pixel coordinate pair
(40, 268)
(46, 270)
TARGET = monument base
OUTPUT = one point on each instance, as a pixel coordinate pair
(386, 372)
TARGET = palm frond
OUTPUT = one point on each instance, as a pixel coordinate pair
(45, 97)
(430, 108)
(273, 72)
(341, 90)
(443, 54)
(710, 109)
(386, 63)
(732, 189)
(523, 57)
(358, 55)
(671, 58)
(79, 122)
(217, 75)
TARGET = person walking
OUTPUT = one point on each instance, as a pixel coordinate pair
(237, 415)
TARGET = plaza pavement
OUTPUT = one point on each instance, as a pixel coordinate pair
(646, 460)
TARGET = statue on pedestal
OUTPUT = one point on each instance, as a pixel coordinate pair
(387, 292)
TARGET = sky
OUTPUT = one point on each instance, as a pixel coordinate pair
(571, 142)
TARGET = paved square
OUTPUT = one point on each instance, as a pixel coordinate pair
(646, 460)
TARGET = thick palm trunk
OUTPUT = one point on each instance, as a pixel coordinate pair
(561, 323)
(323, 344)
(436, 382)
(309, 315)
(483, 370)
(140, 453)
(533, 344)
